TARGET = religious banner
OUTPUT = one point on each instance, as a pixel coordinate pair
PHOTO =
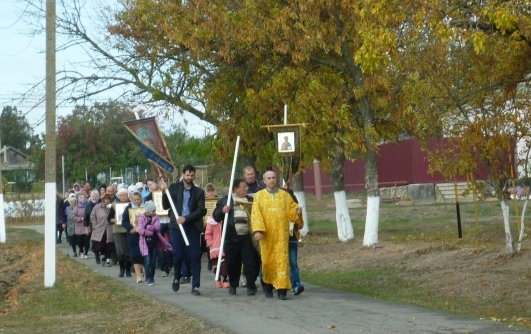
(147, 135)
(288, 145)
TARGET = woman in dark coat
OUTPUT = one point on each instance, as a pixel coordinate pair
(133, 238)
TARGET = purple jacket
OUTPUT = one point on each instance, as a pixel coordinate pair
(77, 216)
(145, 230)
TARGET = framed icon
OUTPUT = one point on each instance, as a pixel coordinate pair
(286, 142)
(119, 209)
(134, 213)
(157, 199)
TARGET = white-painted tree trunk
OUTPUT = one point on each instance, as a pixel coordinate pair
(2, 219)
(508, 235)
(371, 221)
(302, 203)
(522, 226)
(345, 232)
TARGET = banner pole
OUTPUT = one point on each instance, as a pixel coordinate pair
(229, 197)
(177, 216)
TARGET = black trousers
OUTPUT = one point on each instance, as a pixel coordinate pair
(238, 253)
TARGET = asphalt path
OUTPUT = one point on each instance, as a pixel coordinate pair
(316, 310)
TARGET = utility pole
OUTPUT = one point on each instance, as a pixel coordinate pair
(50, 187)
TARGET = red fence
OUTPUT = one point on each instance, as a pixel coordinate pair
(399, 163)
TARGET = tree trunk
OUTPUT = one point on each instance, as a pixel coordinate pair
(298, 190)
(508, 236)
(370, 237)
(345, 232)
(522, 226)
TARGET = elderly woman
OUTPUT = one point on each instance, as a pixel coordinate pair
(78, 213)
(120, 237)
(102, 230)
(69, 224)
(93, 201)
(133, 238)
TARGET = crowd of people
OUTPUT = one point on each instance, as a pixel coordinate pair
(259, 246)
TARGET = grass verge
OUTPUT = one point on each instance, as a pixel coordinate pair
(81, 301)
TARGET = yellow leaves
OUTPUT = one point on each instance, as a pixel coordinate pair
(478, 41)
(504, 20)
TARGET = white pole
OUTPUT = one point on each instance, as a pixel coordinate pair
(63, 169)
(229, 197)
(86, 175)
(170, 199)
(285, 123)
(2, 218)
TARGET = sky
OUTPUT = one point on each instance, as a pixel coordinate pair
(22, 63)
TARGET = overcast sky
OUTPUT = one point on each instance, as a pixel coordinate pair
(22, 63)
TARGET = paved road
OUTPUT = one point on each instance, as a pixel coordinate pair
(317, 310)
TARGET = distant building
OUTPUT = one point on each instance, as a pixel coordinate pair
(13, 159)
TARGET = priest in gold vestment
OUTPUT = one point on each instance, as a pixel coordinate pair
(273, 209)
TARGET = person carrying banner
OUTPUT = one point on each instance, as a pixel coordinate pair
(272, 212)
(238, 245)
(189, 201)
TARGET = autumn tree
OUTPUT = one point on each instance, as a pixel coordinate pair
(93, 138)
(471, 83)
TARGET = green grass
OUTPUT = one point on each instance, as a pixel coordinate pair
(81, 301)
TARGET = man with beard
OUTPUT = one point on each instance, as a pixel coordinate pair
(189, 201)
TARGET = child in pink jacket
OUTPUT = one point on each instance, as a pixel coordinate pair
(213, 239)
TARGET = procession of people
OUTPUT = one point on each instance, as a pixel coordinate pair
(120, 225)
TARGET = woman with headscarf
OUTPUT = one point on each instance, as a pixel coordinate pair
(120, 237)
(93, 201)
(78, 213)
(69, 224)
(133, 238)
(102, 230)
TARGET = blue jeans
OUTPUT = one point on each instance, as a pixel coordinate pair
(150, 262)
(190, 254)
(293, 267)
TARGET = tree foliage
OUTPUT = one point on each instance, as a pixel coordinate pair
(15, 130)
(93, 138)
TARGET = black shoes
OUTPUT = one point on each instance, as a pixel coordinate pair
(281, 293)
(195, 292)
(185, 280)
(128, 273)
(298, 290)
(175, 285)
(122, 273)
(232, 290)
(251, 291)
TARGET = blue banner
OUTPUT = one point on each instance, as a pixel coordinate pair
(152, 155)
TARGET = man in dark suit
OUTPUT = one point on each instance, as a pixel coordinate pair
(189, 201)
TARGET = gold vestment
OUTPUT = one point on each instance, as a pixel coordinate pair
(271, 215)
